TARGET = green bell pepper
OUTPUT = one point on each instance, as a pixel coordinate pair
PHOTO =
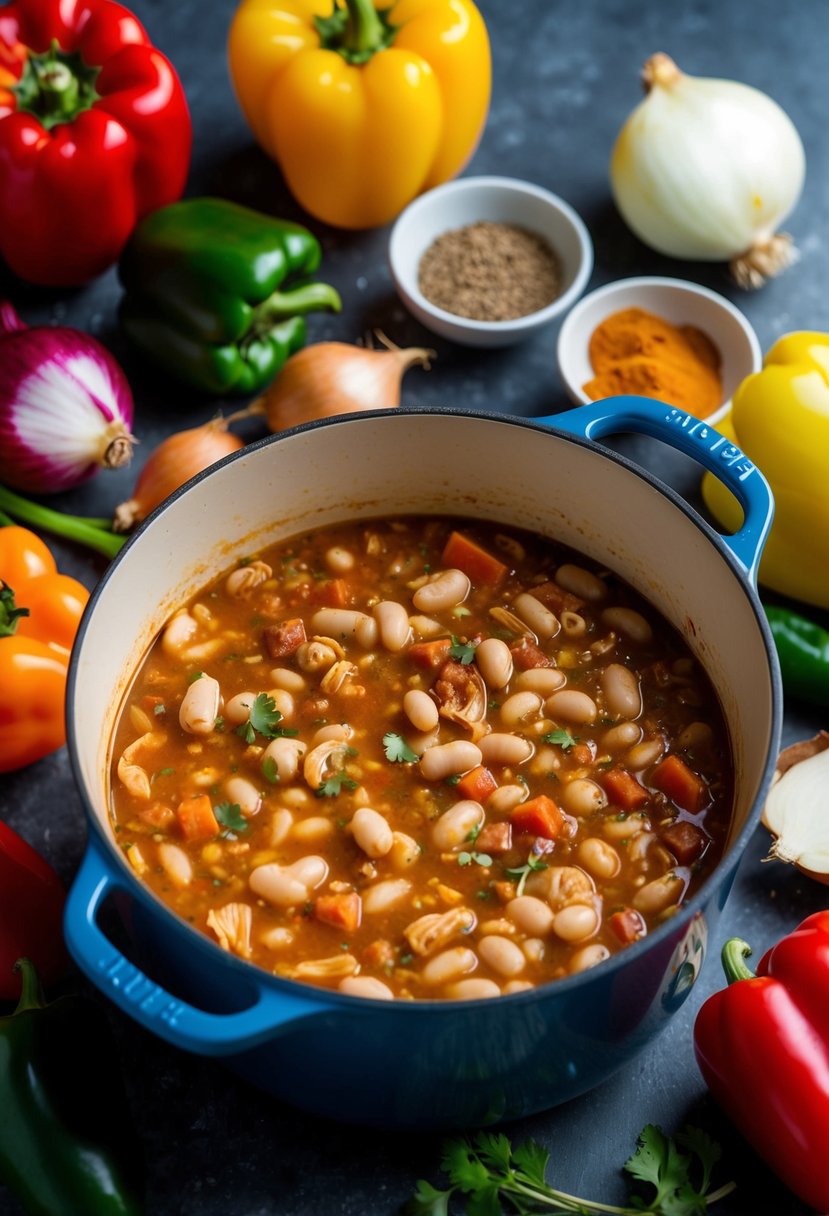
(67, 1145)
(216, 293)
(803, 650)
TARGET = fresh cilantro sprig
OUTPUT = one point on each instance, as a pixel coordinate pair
(480, 859)
(397, 749)
(531, 866)
(561, 737)
(464, 652)
(229, 815)
(263, 718)
(335, 784)
(489, 1172)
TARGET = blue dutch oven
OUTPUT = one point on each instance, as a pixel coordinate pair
(418, 1063)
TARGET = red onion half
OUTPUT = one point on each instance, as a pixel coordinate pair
(65, 407)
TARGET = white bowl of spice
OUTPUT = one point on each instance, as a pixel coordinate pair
(487, 261)
(656, 337)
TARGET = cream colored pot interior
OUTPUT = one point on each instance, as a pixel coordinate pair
(368, 466)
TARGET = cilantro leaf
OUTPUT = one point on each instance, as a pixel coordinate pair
(562, 737)
(270, 770)
(229, 815)
(427, 1201)
(263, 717)
(464, 652)
(397, 749)
(334, 785)
(658, 1161)
(532, 1160)
(703, 1148)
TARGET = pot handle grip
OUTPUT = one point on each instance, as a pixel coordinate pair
(697, 439)
(173, 1019)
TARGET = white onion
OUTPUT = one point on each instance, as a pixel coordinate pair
(707, 169)
(65, 407)
(796, 811)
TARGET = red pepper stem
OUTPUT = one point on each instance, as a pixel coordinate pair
(734, 953)
(32, 995)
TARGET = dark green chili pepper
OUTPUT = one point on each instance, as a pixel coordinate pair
(803, 650)
(67, 1144)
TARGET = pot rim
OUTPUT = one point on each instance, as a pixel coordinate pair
(250, 973)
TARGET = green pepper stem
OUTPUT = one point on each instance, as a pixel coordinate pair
(32, 995)
(734, 953)
(279, 306)
(73, 527)
(364, 32)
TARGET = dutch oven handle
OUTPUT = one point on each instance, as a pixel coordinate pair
(183, 1025)
(699, 440)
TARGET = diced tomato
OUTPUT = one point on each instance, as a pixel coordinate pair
(494, 838)
(429, 655)
(623, 790)
(538, 817)
(685, 840)
(628, 925)
(282, 640)
(673, 777)
(525, 655)
(556, 598)
(343, 910)
(331, 593)
(477, 784)
(463, 554)
(196, 818)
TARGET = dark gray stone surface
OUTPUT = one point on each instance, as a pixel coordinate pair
(565, 77)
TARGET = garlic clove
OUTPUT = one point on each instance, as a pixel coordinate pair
(797, 808)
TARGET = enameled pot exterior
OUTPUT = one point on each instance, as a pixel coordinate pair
(435, 1064)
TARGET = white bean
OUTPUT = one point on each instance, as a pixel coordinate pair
(285, 886)
(445, 589)
(543, 680)
(199, 708)
(345, 623)
(366, 986)
(371, 832)
(494, 662)
(644, 753)
(286, 754)
(312, 830)
(244, 793)
(598, 857)
(502, 956)
(449, 759)
(281, 823)
(449, 965)
(315, 656)
(532, 612)
(517, 986)
(520, 708)
(534, 949)
(454, 826)
(531, 915)
(420, 709)
(695, 734)
(660, 894)
(580, 582)
(393, 624)
(619, 737)
(291, 681)
(341, 732)
(582, 797)
(506, 798)
(181, 630)
(237, 709)
(570, 705)
(625, 827)
(475, 989)
(240, 583)
(283, 701)
(339, 560)
(622, 695)
(176, 864)
(384, 895)
(500, 748)
(588, 957)
(278, 938)
(629, 622)
(576, 922)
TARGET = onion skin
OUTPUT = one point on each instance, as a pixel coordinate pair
(795, 754)
(331, 378)
(65, 407)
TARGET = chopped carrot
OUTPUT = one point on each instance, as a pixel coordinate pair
(343, 911)
(628, 925)
(581, 754)
(430, 655)
(477, 784)
(196, 818)
(673, 777)
(624, 790)
(463, 554)
(331, 593)
(538, 817)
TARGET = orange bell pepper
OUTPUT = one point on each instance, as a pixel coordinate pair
(365, 107)
(40, 610)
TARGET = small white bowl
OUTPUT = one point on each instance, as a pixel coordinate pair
(675, 300)
(504, 200)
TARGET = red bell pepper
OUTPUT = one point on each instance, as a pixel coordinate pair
(762, 1045)
(31, 914)
(94, 134)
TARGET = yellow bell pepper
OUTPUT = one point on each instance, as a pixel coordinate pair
(364, 108)
(780, 418)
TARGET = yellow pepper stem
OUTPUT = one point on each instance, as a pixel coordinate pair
(364, 31)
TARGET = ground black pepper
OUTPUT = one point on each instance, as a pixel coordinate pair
(490, 272)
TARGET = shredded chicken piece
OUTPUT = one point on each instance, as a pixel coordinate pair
(232, 926)
(132, 775)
